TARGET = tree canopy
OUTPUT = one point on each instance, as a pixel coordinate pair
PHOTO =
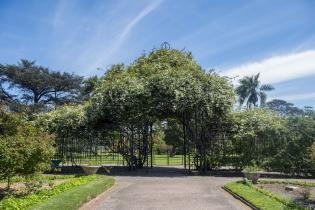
(161, 84)
(284, 108)
(39, 85)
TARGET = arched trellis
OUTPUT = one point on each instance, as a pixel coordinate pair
(132, 145)
(166, 83)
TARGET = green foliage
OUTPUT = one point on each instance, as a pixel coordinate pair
(162, 84)
(252, 167)
(284, 108)
(24, 149)
(65, 120)
(273, 142)
(43, 195)
(255, 135)
(159, 85)
(294, 154)
(9, 123)
(312, 157)
(74, 198)
(89, 86)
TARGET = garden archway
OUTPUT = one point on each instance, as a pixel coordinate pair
(129, 100)
(166, 83)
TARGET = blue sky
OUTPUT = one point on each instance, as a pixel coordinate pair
(237, 37)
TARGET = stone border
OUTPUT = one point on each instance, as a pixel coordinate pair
(240, 199)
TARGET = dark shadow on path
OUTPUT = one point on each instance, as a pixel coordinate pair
(157, 171)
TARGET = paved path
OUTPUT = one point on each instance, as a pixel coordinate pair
(166, 189)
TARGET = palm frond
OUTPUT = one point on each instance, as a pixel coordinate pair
(266, 87)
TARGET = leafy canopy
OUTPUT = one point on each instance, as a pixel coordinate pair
(38, 84)
(164, 83)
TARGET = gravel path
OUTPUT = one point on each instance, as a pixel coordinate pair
(165, 189)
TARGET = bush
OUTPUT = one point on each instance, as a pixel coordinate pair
(294, 156)
(252, 167)
(312, 158)
(24, 149)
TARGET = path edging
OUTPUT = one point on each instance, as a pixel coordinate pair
(240, 198)
(94, 201)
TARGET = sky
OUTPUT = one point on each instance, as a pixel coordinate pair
(237, 38)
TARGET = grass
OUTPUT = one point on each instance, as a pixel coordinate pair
(117, 159)
(261, 199)
(76, 197)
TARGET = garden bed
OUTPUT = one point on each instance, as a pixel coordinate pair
(22, 186)
(261, 198)
(41, 191)
(300, 192)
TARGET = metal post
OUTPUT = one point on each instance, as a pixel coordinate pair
(151, 146)
(184, 146)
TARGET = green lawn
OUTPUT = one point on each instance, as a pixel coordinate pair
(76, 197)
(117, 159)
(259, 198)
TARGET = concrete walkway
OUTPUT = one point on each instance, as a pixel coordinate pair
(165, 189)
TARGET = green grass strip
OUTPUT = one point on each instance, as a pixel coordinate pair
(13, 203)
(259, 198)
(76, 197)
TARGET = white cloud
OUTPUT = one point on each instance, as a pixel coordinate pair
(121, 38)
(278, 68)
(147, 10)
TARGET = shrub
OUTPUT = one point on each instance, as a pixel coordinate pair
(252, 167)
(24, 149)
(312, 158)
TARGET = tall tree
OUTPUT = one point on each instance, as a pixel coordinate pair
(284, 108)
(5, 97)
(39, 85)
(251, 91)
(88, 87)
(309, 111)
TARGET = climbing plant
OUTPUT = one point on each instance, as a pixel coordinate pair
(161, 84)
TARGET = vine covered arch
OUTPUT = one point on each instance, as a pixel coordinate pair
(165, 83)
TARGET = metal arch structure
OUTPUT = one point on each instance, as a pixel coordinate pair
(132, 146)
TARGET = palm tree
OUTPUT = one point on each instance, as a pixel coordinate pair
(251, 91)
